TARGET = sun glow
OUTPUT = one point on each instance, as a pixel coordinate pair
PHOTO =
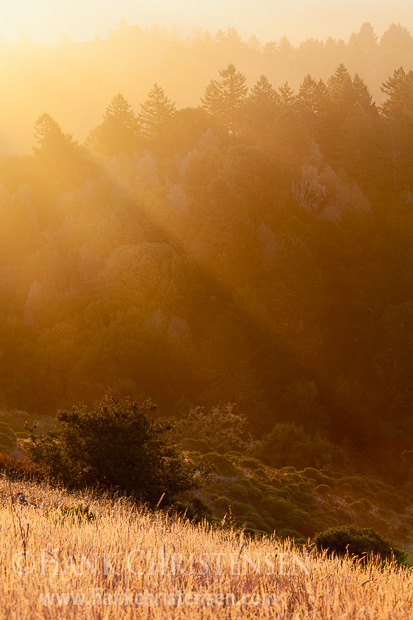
(46, 20)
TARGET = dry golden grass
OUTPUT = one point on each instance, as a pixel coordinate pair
(132, 564)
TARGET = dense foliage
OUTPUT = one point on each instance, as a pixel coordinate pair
(114, 445)
(255, 250)
(361, 543)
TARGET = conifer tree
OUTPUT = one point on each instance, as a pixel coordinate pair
(397, 37)
(312, 97)
(363, 96)
(399, 91)
(60, 160)
(286, 95)
(398, 113)
(262, 93)
(224, 99)
(156, 113)
(341, 90)
(312, 105)
(50, 138)
(119, 131)
(365, 40)
(262, 107)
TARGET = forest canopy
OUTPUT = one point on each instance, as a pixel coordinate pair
(254, 249)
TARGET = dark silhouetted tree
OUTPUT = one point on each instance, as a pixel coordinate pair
(116, 445)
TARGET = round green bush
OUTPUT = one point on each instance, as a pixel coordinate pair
(223, 503)
(357, 542)
(310, 472)
(300, 521)
(239, 491)
(223, 466)
(280, 510)
(322, 489)
(239, 509)
(257, 520)
(358, 505)
(250, 463)
(255, 494)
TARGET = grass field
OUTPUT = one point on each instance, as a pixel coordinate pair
(128, 563)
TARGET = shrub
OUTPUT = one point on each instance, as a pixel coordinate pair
(280, 510)
(359, 543)
(19, 467)
(239, 491)
(289, 447)
(255, 494)
(222, 465)
(310, 472)
(197, 510)
(219, 428)
(323, 489)
(250, 463)
(254, 518)
(114, 445)
(301, 521)
(361, 505)
(77, 514)
(223, 503)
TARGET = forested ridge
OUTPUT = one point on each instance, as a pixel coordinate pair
(74, 81)
(254, 250)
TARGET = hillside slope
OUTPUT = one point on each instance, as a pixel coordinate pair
(128, 563)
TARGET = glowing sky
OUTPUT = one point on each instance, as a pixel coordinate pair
(46, 20)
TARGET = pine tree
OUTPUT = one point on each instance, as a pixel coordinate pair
(212, 101)
(224, 99)
(399, 91)
(286, 95)
(397, 37)
(60, 161)
(262, 93)
(398, 113)
(365, 40)
(312, 97)
(285, 47)
(262, 107)
(340, 86)
(363, 96)
(349, 98)
(50, 138)
(119, 131)
(156, 113)
(359, 148)
(312, 106)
